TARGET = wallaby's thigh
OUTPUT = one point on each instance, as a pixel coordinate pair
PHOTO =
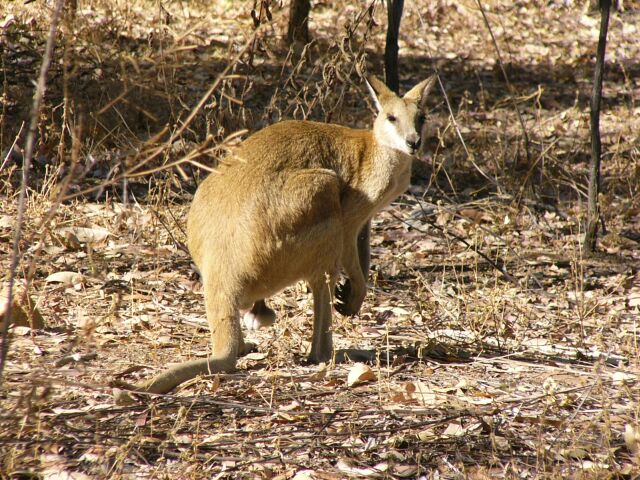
(300, 229)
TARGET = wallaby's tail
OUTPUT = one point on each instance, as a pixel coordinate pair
(227, 344)
(169, 379)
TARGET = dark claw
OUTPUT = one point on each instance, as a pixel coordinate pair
(342, 295)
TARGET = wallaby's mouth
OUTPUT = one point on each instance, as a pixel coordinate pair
(414, 146)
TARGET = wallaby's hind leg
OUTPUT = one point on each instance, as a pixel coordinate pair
(226, 343)
(314, 211)
(260, 316)
(321, 342)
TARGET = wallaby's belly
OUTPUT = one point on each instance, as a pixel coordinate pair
(289, 261)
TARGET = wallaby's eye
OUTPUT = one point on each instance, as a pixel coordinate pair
(421, 118)
(391, 118)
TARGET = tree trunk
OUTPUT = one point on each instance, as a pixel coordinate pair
(593, 214)
(298, 30)
(394, 14)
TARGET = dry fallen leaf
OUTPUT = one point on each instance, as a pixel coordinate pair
(6, 221)
(360, 373)
(623, 378)
(256, 356)
(454, 430)
(405, 471)
(347, 466)
(303, 475)
(476, 216)
(66, 278)
(320, 374)
(85, 234)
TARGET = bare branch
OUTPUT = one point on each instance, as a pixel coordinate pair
(28, 155)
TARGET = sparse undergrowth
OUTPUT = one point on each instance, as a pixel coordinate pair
(478, 376)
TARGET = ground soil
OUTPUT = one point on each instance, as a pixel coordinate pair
(502, 350)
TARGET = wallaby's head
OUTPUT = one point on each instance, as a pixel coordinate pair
(400, 119)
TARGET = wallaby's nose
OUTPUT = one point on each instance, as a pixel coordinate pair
(413, 143)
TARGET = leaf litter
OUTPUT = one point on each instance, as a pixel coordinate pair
(473, 376)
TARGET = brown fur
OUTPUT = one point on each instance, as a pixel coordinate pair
(294, 203)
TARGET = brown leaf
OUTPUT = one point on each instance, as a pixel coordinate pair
(66, 278)
(360, 373)
(85, 234)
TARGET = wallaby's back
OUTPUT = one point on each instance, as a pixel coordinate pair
(297, 144)
(249, 186)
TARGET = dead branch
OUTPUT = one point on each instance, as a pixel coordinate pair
(525, 135)
(28, 155)
(593, 213)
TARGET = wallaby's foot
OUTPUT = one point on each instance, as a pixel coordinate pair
(260, 316)
(346, 303)
(247, 348)
(316, 358)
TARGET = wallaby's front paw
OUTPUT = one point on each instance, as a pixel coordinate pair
(342, 295)
(345, 303)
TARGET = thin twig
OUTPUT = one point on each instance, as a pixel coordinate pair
(28, 155)
(495, 265)
(136, 169)
(452, 117)
(506, 79)
(10, 151)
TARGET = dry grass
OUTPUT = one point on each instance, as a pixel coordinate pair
(477, 377)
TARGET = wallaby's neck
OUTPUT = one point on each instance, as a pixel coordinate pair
(388, 154)
(385, 169)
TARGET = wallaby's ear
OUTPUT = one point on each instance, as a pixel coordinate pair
(378, 90)
(420, 92)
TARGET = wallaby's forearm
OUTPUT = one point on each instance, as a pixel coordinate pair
(364, 254)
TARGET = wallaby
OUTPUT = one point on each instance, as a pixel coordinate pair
(294, 202)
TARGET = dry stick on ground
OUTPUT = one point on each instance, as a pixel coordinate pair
(506, 79)
(593, 214)
(504, 273)
(28, 155)
(481, 227)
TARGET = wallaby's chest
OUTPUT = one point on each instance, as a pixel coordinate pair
(389, 180)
